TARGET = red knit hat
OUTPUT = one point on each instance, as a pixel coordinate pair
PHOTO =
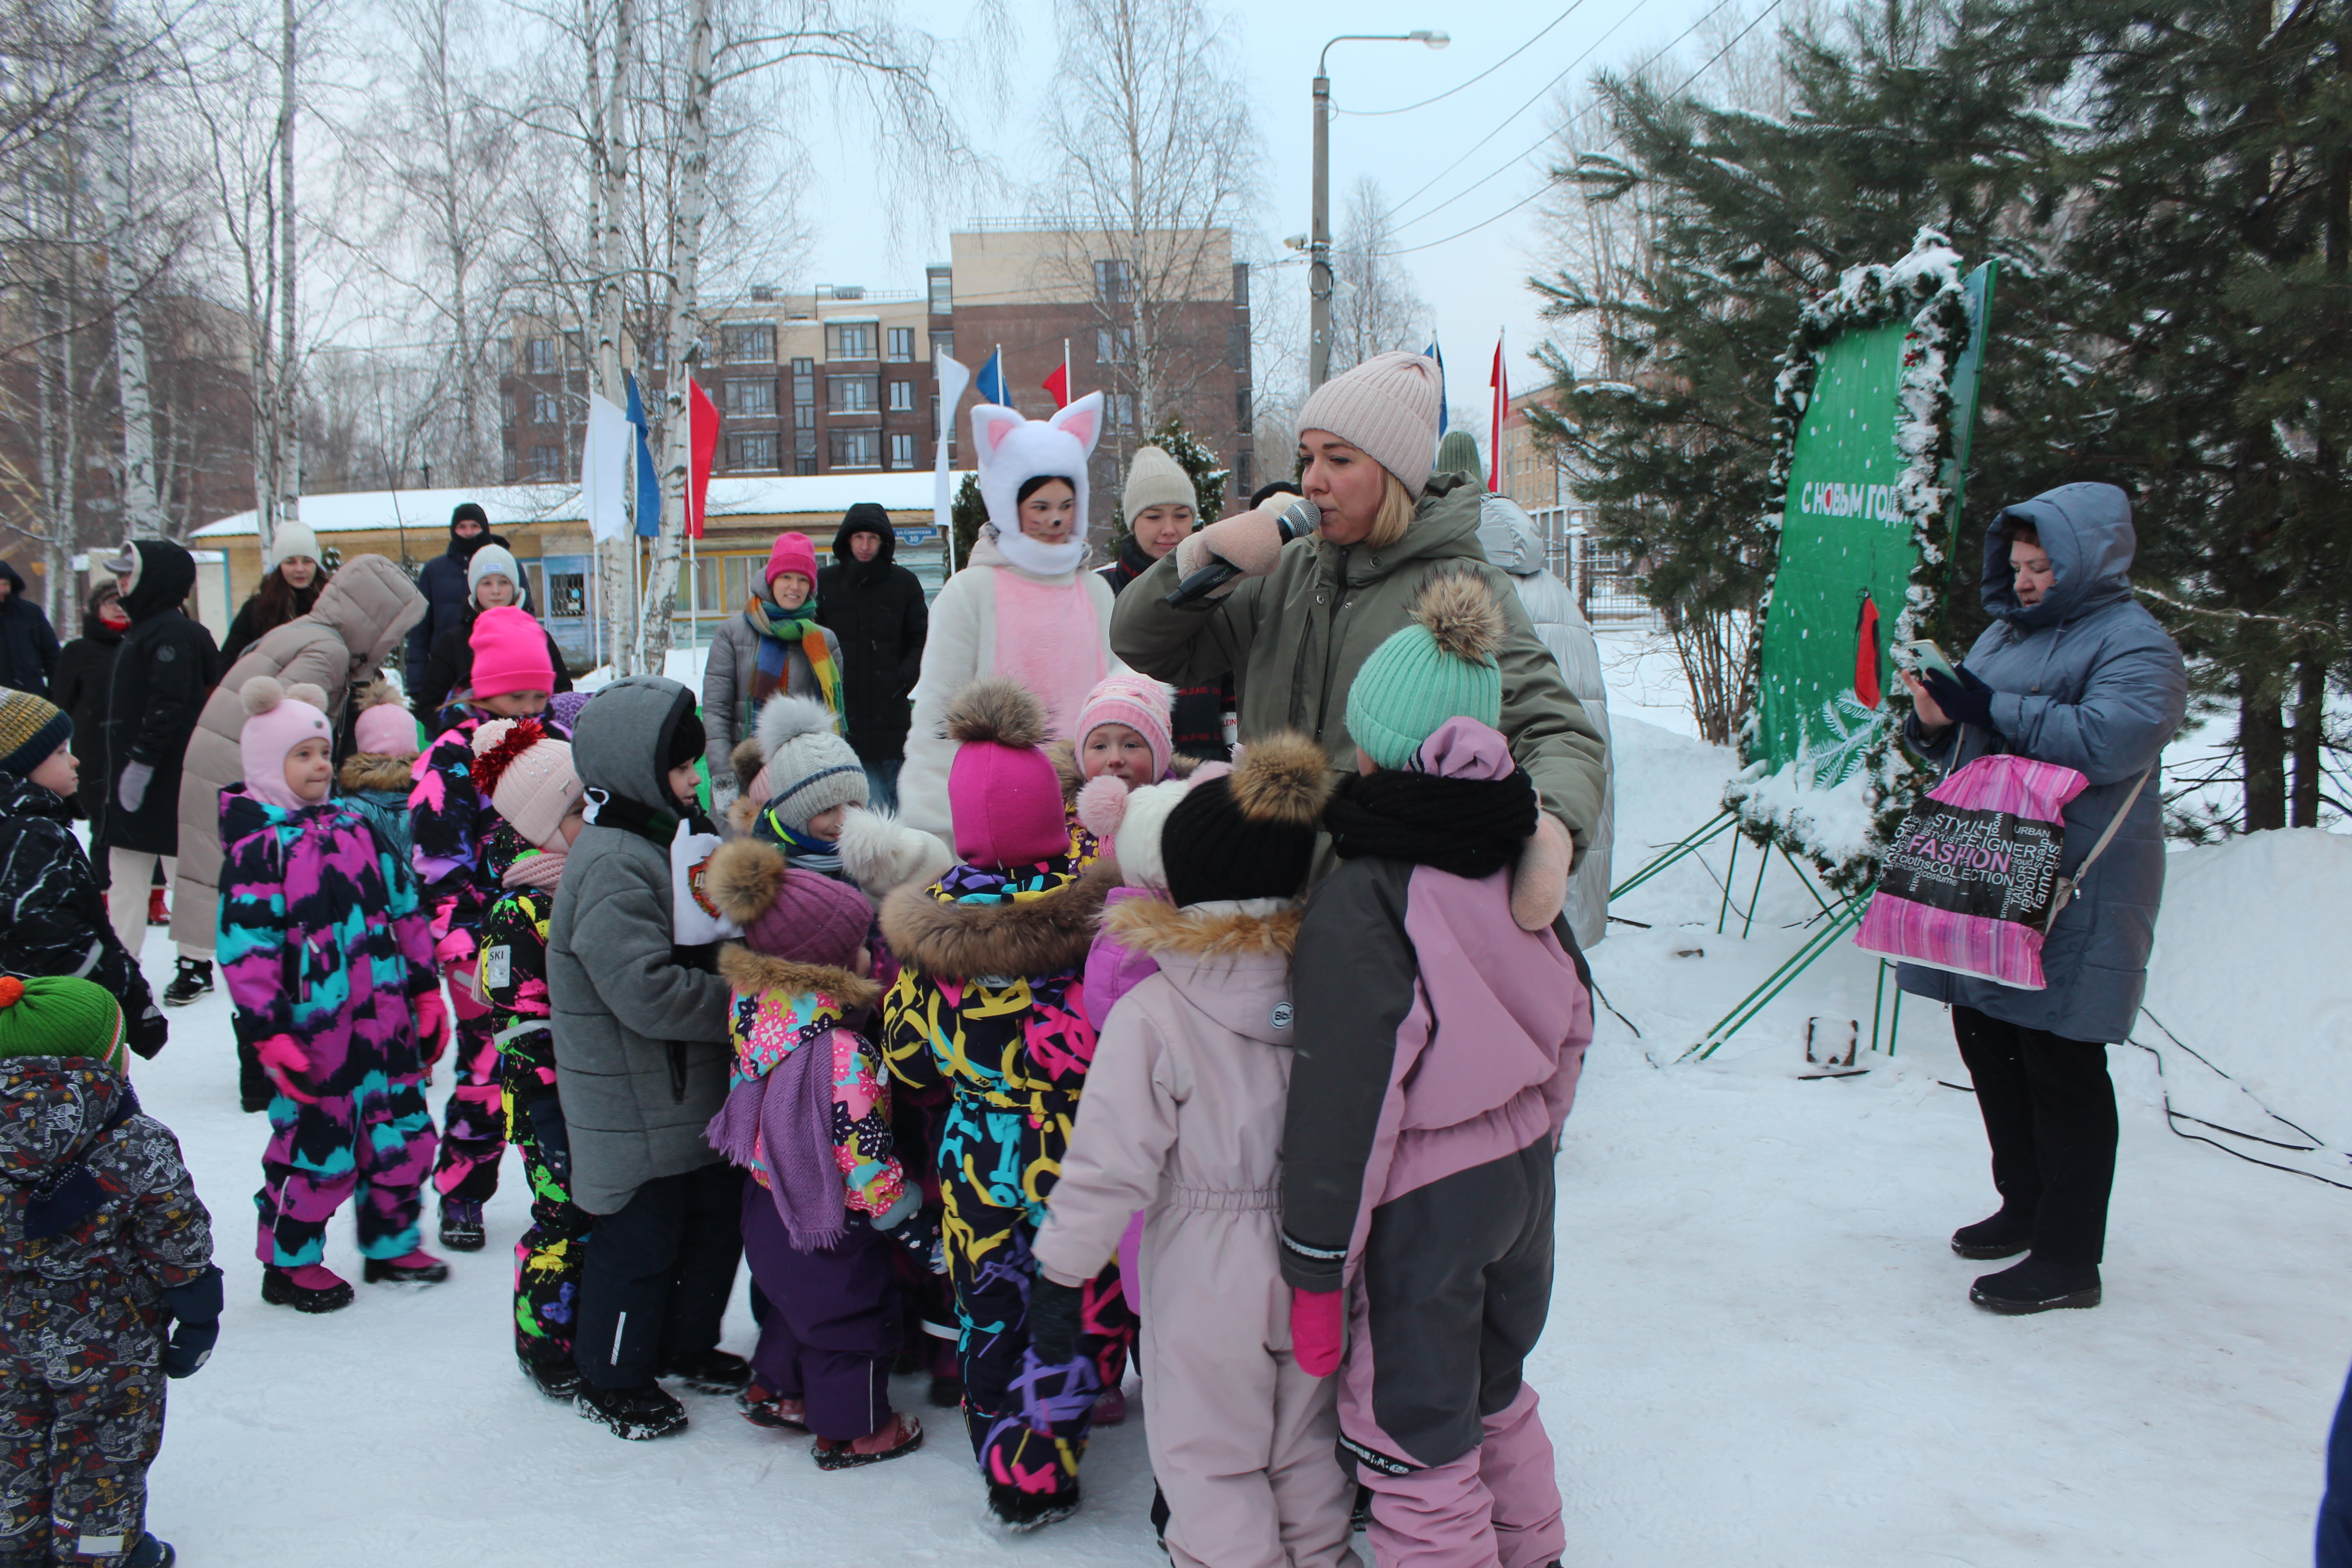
(794, 552)
(1002, 790)
(509, 653)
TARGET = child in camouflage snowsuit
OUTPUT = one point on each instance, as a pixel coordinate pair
(460, 860)
(989, 999)
(529, 778)
(103, 1244)
(325, 953)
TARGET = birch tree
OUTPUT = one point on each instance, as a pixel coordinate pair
(1373, 308)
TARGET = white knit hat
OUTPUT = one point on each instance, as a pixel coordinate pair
(528, 776)
(810, 769)
(1155, 478)
(1387, 408)
(493, 561)
(290, 540)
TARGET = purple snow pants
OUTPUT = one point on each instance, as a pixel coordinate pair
(833, 1326)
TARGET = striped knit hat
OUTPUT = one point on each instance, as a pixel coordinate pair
(31, 729)
(59, 1016)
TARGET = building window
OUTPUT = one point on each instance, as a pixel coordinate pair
(1241, 407)
(542, 408)
(751, 399)
(902, 345)
(804, 452)
(804, 415)
(902, 451)
(1122, 410)
(538, 356)
(942, 292)
(1245, 474)
(1113, 279)
(849, 339)
(546, 462)
(764, 294)
(748, 345)
(902, 397)
(752, 450)
(856, 448)
(567, 596)
(852, 394)
(943, 343)
(1114, 345)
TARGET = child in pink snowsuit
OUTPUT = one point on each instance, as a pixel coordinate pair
(1183, 1118)
(1440, 1024)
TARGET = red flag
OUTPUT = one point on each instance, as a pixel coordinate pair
(702, 447)
(1058, 383)
(1501, 381)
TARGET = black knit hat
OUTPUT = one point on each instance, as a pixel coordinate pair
(1250, 833)
(687, 741)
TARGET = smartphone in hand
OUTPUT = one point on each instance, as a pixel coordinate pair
(1922, 657)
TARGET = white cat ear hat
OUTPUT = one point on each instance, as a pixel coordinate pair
(1013, 450)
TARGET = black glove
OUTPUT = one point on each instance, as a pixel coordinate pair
(1054, 1314)
(147, 1032)
(1967, 701)
(196, 1306)
(918, 1233)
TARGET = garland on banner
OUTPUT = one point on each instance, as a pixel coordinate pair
(1774, 808)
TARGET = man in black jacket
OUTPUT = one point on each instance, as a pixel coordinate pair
(443, 583)
(876, 608)
(161, 673)
(28, 644)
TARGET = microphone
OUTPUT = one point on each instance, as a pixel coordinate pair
(1299, 519)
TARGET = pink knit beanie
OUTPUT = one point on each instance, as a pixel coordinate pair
(277, 719)
(528, 776)
(1387, 408)
(386, 727)
(509, 653)
(794, 552)
(1142, 705)
(1003, 792)
(814, 920)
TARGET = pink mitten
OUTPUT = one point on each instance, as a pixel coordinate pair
(284, 1061)
(1317, 1331)
(453, 949)
(1251, 541)
(432, 1026)
(1539, 881)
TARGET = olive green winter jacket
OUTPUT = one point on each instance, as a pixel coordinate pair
(1295, 639)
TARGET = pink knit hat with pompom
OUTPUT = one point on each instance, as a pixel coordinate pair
(1143, 705)
(1003, 792)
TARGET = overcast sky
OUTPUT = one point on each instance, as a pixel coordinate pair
(1475, 283)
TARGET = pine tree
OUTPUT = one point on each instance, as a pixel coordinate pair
(966, 513)
(1207, 474)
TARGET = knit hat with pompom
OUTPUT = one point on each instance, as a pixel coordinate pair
(1003, 795)
(277, 719)
(810, 768)
(527, 776)
(1249, 834)
(1442, 665)
(60, 1015)
(804, 916)
(1143, 705)
(385, 728)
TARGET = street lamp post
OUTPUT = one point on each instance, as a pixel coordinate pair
(1319, 277)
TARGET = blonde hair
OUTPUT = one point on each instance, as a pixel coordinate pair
(1395, 516)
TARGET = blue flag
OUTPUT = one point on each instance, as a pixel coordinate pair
(1434, 352)
(989, 382)
(648, 482)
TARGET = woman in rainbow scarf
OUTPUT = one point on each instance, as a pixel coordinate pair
(776, 645)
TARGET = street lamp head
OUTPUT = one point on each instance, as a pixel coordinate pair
(1434, 38)
(1296, 242)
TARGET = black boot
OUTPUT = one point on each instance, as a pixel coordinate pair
(396, 1271)
(150, 1553)
(711, 1372)
(638, 1415)
(2003, 1234)
(461, 1225)
(1159, 1518)
(278, 1288)
(194, 979)
(1020, 1512)
(555, 1379)
(2034, 1286)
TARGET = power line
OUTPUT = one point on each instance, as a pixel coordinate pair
(1482, 76)
(1548, 184)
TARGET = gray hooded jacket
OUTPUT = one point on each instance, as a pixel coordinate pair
(2087, 679)
(641, 1052)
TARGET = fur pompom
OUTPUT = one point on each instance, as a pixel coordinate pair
(785, 717)
(1283, 778)
(1000, 711)
(303, 691)
(744, 878)
(261, 694)
(381, 693)
(1461, 613)
(748, 759)
(880, 853)
(1102, 806)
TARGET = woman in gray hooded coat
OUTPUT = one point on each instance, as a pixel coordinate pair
(2075, 671)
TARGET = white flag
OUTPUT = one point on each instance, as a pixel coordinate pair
(604, 468)
(953, 378)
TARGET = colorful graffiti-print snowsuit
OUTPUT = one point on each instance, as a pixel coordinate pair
(989, 998)
(82, 1313)
(513, 977)
(462, 850)
(323, 943)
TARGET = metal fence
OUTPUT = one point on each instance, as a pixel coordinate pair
(1606, 582)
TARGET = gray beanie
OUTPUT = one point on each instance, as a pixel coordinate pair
(810, 769)
(1387, 408)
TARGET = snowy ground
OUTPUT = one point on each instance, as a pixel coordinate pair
(1761, 1351)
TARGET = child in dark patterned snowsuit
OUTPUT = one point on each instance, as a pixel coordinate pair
(529, 778)
(989, 999)
(103, 1244)
(460, 865)
(326, 954)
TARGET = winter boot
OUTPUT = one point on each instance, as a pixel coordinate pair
(150, 1553)
(158, 913)
(639, 1415)
(2034, 1286)
(309, 1289)
(555, 1379)
(461, 1225)
(710, 1372)
(2003, 1234)
(1359, 1512)
(1160, 1515)
(903, 1436)
(773, 1411)
(419, 1267)
(1020, 1512)
(194, 979)
(947, 1378)
(1110, 1408)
